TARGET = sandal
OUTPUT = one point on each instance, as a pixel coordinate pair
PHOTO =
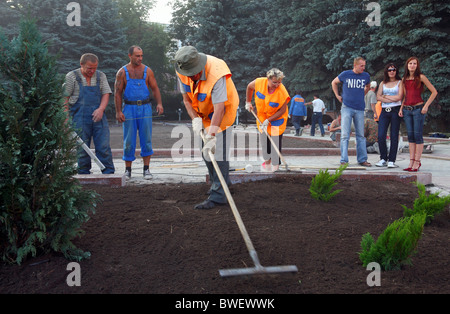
(409, 168)
(416, 169)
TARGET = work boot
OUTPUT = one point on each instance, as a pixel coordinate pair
(207, 204)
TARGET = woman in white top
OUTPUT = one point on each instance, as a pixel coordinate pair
(390, 93)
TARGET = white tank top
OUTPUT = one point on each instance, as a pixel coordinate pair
(391, 92)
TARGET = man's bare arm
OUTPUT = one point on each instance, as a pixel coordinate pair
(334, 86)
(155, 89)
(119, 87)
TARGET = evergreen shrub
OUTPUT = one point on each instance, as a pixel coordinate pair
(42, 206)
(431, 205)
(395, 246)
(322, 184)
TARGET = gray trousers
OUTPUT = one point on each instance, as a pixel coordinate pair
(268, 151)
(223, 141)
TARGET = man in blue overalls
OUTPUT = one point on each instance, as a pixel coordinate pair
(135, 83)
(87, 95)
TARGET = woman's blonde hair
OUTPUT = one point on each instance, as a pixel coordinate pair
(275, 73)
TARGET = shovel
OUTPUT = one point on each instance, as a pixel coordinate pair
(258, 269)
(88, 151)
(272, 141)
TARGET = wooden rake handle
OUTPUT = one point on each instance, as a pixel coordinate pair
(272, 141)
(234, 209)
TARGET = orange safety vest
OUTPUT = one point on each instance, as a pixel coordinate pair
(201, 97)
(268, 104)
(378, 110)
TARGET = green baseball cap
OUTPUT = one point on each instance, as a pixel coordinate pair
(189, 62)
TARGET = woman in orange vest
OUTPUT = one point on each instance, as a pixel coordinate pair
(211, 100)
(271, 99)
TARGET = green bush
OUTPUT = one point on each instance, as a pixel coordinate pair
(395, 245)
(431, 204)
(42, 206)
(323, 183)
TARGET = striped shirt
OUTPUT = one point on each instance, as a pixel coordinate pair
(72, 90)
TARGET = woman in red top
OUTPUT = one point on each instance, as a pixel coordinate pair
(414, 109)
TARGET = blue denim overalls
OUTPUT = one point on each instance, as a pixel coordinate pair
(138, 116)
(81, 113)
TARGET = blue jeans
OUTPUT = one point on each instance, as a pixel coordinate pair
(297, 122)
(414, 121)
(389, 118)
(317, 118)
(347, 115)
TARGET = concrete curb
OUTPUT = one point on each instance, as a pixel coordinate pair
(423, 177)
(114, 180)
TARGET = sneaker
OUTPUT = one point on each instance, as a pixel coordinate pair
(301, 132)
(147, 175)
(275, 168)
(391, 165)
(381, 163)
(127, 174)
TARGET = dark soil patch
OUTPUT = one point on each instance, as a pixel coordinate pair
(148, 239)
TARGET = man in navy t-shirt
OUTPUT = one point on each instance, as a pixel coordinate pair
(355, 84)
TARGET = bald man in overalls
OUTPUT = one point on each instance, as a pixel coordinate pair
(135, 83)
